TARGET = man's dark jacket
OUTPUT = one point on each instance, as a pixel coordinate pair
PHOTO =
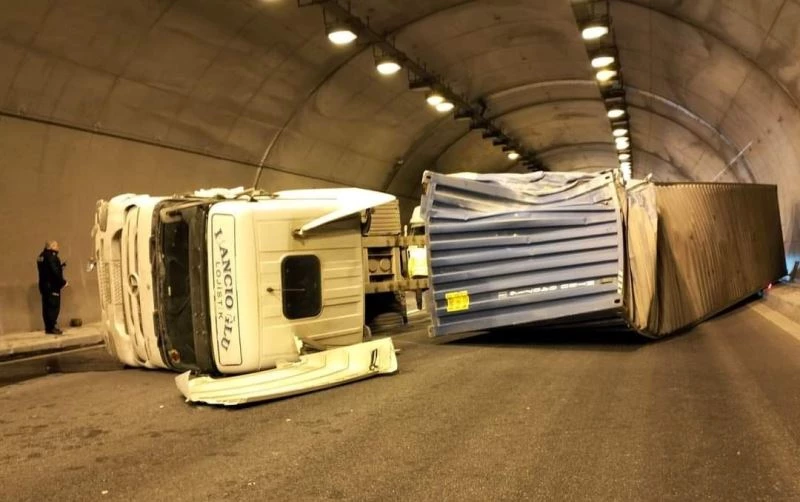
(51, 275)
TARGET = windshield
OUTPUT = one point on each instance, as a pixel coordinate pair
(179, 277)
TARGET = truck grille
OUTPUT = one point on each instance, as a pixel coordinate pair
(105, 283)
(116, 283)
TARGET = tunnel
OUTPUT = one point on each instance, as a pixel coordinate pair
(164, 97)
(100, 98)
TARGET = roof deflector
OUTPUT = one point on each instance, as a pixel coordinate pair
(350, 201)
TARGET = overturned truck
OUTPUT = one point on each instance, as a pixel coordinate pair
(580, 249)
(250, 295)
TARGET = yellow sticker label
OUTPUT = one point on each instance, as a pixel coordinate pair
(457, 301)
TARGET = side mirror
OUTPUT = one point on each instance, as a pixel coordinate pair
(90, 265)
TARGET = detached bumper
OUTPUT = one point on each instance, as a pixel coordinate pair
(313, 372)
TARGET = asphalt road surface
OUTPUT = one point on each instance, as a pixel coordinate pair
(711, 414)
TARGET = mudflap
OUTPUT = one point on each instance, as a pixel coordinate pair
(312, 372)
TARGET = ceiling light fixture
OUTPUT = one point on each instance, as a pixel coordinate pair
(340, 33)
(434, 98)
(616, 113)
(602, 61)
(444, 106)
(594, 23)
(605, 75)
(512, 155)
(387, 65)
(594, 30)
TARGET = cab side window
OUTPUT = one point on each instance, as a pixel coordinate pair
(301, 285)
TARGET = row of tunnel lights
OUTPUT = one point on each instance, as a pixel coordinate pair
(604, 62)
(341, 34)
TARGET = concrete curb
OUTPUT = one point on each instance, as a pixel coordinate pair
(26, 343)
(785, 299)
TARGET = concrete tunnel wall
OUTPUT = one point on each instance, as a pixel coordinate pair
(98, 98)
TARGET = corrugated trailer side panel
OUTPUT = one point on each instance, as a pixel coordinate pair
(385, 219)
(506, 250)
(717, 244)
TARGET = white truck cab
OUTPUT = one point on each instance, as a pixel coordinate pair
(228, 282)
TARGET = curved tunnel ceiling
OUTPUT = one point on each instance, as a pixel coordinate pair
(256, 81)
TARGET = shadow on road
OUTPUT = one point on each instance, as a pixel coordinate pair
(94, 359)
(615, 339)
(559, 339)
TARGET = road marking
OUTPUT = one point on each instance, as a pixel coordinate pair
(780, 320)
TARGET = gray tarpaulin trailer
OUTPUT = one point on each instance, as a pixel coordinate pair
(579, 249)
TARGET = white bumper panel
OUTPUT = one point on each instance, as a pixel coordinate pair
(313, 372)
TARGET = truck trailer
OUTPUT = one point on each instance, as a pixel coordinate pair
(250, 295)
(577, 249)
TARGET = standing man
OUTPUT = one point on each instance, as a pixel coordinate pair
(51, 282)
